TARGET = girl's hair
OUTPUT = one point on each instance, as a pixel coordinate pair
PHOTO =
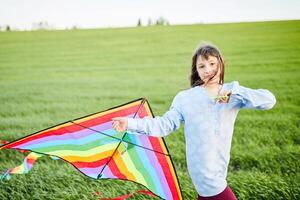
(205, 50)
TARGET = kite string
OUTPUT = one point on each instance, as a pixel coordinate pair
(126, 196)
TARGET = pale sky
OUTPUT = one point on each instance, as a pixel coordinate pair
(22, 14)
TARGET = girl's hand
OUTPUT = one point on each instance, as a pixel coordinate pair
(224, 97)
(120, 124)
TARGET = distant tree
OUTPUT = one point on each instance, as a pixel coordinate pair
(139, 22)
(41, 25)
(149, 22)
(7, 28)
(162, 21)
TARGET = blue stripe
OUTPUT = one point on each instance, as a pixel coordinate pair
(81, 141)
(148, 166)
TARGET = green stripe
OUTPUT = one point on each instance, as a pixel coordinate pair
(131, 150)
(82, 147)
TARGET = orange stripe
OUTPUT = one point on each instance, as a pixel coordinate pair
(92, 158)
(122, 166)
(174, 176)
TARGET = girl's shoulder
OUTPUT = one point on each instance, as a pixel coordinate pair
(232, 84)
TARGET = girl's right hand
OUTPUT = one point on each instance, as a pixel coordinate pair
(120, 124)
(226, 96)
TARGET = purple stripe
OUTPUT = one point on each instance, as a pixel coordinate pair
(151, 156)
(74, 135)
(93, 172)
(78, 134)
(107, 173)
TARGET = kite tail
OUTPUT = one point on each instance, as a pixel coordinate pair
(5, 176)
(23, 168)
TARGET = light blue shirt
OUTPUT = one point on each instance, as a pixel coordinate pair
(208, 128)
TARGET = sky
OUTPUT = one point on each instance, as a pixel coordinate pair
(60, 14)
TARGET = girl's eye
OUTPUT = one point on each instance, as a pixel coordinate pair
(200, 66)
(212, 63)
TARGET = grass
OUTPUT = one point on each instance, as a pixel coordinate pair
(48, 77)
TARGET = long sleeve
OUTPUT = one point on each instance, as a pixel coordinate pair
(158, 126)
(261, 99)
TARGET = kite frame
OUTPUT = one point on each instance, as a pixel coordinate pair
(143, 100)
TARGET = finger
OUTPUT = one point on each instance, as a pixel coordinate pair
(115, 123)
(226, 99)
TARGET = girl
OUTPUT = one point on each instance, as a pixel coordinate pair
(208, 110)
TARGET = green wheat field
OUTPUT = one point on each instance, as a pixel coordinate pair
(48, 77)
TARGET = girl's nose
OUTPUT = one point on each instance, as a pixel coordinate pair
(206, 70)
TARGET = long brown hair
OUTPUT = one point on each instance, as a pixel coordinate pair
(206, 50)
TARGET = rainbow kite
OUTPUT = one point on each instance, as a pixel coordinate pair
(93, 147)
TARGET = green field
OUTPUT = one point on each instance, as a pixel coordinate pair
(48, 77)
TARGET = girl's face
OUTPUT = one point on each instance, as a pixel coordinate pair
(208, 68)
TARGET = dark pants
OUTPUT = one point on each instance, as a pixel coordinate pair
(227, 194)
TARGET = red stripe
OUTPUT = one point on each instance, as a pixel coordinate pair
(91, 164)
(115, 170)
(63, 130)
(108, 117)
(161, 158)
(73, 128)
(30, 161)
(142, 112)
(163, 162)
(126, 196)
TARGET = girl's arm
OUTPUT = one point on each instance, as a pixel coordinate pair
(252, 98)
(158, 126)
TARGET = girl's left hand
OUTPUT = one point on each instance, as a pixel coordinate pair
(119, 124)
(225, 97)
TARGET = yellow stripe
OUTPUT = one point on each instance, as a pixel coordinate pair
(89, 155)
(132, 168)
(93, 158)
(122, 166)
